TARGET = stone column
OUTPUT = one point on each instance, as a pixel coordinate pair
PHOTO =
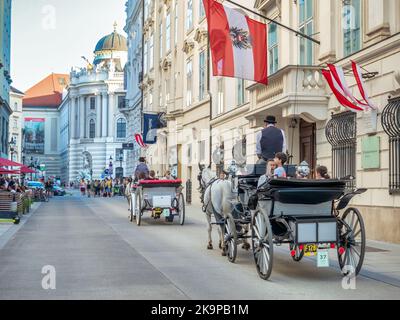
(72, 124)
(82, 117)
(98, 116)
(111, 112)
(104, 108)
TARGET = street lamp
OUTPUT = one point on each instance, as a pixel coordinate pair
(12, 144)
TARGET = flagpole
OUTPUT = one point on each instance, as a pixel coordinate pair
(209, 87)
(276, 22)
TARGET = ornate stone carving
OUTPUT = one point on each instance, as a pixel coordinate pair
(200, 35)
(188, 46)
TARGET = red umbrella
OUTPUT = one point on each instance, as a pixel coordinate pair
(25, 169)
(8, 163)
(6, 171)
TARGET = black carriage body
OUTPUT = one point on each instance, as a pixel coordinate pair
(304, 208)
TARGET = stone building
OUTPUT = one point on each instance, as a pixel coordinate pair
(15, 124)
(5, 75)
(93, 126)
(133, 75)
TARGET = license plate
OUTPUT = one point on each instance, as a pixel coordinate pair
(166, 213)
(310, 250)
(323, 259)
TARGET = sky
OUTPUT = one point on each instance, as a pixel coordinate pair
(51, 35)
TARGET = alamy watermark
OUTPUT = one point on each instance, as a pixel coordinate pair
(49, 279)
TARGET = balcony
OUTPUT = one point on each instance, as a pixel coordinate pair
(293, 91)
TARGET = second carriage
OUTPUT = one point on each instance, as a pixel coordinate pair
(161, 198)
(306, 214)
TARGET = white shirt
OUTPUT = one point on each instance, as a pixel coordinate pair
(258, 141)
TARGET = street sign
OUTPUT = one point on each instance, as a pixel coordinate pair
(127, 146)
(42, 167)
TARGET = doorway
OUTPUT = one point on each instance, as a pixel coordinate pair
(308, 145)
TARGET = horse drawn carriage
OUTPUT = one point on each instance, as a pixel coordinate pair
(163, 198)
(306, 214)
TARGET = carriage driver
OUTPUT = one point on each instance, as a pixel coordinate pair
(141, 169)
(270, 140)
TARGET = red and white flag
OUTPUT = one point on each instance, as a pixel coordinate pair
(238, 43)
(358, 75)
(339, 92)
(139, 140)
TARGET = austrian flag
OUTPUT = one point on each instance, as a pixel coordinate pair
(238, 43)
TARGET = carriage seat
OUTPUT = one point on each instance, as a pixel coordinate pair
(295, 191)
(160, 183)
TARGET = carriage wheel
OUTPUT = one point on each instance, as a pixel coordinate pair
(181, 209)
(299, 253)
(263, 248)
(230, 238)
(138, 209)
(352, 239)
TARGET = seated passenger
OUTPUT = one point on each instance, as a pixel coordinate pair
(322, 173)
(280, 160)
(168, 176)
(152, 175)
(303, 171)
(269, 173)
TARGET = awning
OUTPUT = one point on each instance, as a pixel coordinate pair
(25, 169)
(8, 163)
(6, 171)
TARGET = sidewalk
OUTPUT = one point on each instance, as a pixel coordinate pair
(381, 261)
(7, 230)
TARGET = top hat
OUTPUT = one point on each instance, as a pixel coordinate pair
(270, 119)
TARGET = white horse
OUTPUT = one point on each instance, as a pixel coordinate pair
(217, 201)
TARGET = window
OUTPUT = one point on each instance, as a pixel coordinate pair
(240, 92)
(121, 128)
(167, 91)
(121, 102)
(392, 128)
(92, 129)
(202, 12)
(273, 48)
(220, 97)
(92, 103)
(151, 52)
(168, 32)
(341, 133)
(306, 27)
(352, 26)
(202, 150)
(16, 106)
(176, 22)
(145, 57)
(119, 154)
(189, 15)
(160, 43)
(202, 75)
(189, 83)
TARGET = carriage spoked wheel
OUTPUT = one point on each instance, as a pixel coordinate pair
(262, 244)
(352, 238)
(181, 209)
(230, 238)
(299, 254)
(138, 209)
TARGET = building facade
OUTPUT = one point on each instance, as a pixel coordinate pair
(319, 130)
(93, 126)
(5, 75)
(15, 124)
(175, 81)
(41, 122)
(133, 78)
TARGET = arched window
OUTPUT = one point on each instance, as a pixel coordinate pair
(121, 128)
(92, 129)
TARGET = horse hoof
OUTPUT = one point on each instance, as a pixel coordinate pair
(223, 253)
(210, 247)
(246, 246)
(220, 246)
